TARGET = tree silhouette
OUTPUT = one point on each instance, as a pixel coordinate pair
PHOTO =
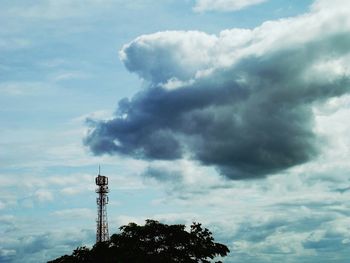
(153, 242)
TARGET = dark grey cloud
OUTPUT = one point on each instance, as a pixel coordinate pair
(249, 120)
(342, 190)
(163, 175)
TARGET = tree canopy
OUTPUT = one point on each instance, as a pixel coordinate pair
(153, 242)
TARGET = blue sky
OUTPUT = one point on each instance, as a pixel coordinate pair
(236, 117)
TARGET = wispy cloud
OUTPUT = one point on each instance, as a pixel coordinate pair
(32, 248)
(11, 44)
(74, 213)
(64, 76)
(54, 10)
(224, 5)
(15, 88)
(43, 195)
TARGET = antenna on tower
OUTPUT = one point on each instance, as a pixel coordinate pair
(102, 234)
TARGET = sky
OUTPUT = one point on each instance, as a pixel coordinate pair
(231, 113)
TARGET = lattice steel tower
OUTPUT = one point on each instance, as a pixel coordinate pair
(102, 200)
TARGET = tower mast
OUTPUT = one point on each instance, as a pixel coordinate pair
(102, 234)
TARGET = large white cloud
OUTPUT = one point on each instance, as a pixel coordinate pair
(172, 54)
(240, 101)
(184, 55)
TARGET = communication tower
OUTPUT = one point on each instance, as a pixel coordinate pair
(102, 200)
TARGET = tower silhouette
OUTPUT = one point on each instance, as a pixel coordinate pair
(102, 200)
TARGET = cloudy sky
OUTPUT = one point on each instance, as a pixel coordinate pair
(232, 113)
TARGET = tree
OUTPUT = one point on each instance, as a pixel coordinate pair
(153, 242)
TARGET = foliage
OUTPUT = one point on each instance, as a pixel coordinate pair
(154, 242)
